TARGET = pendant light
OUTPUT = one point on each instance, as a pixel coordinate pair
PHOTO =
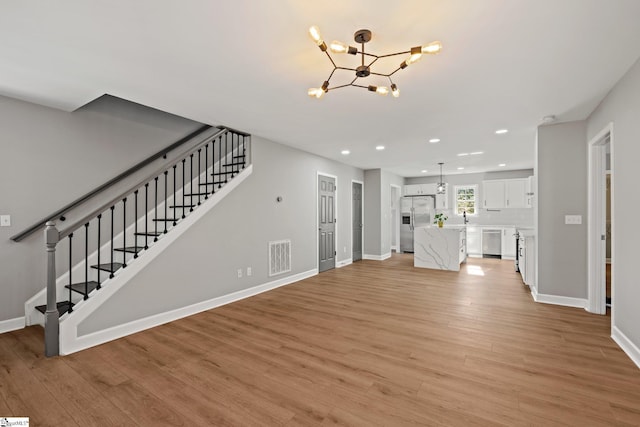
(441, 185)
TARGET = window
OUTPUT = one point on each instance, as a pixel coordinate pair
(466, 199)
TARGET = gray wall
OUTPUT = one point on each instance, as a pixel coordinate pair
(561, 169)
(203, 263)
(622, 107)
(49, 158)
(516, 217)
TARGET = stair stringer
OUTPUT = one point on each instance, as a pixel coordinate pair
(70, 341)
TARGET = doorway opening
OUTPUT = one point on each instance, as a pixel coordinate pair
(394, 218)
(601, 253)
(356, 220)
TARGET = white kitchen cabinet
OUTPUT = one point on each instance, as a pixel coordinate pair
(522, 258)
(411, 190)
(530, 186)
(493, 194)
(419, 189)
(474, 242)
(508, 243)
(506, 193)
(526, 260)
(516, 193)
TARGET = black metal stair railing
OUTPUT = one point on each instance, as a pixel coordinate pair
(160, 201)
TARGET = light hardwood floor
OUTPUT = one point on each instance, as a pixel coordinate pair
(374, 343)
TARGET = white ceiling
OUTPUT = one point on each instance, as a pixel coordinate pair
(248, 64)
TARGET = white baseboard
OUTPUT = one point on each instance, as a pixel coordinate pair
(344, 263)
(626, 345)
(377, 257)
(11, 325)
(558, 300)
(73, 344)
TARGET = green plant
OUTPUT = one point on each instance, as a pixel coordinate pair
(440, 218)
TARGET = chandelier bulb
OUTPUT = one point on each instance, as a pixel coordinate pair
(314, 32)
(338, 47)
(394, 90)
(432, 48)
(315, 92)
(382, 90)
(413, 58)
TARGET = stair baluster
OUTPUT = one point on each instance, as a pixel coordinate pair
(99, 228)
(135, 224)
(124, 232)
(86, 261)
(70, 268)
(155, 223)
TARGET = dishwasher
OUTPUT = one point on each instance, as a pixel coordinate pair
(491, 243)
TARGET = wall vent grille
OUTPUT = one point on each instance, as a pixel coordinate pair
(279, 257)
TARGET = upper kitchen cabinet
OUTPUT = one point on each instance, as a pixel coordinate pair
(506, 193)
(419, 189)
(516, 193)
(493, 194)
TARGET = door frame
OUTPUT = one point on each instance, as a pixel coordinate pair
(396, 244)
(335, 211)
(362, 212)
(597, 180)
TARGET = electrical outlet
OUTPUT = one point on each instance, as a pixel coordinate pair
(249, 272)
(239, 273)
(5, 220)
(573, 219)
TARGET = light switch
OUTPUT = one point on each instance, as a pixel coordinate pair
(5, 220)
(573, 219)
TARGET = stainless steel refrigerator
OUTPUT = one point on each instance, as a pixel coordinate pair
(415, 211)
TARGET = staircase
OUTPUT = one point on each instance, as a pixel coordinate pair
(100, 245)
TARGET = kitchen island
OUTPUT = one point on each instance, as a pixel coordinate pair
(440, 248)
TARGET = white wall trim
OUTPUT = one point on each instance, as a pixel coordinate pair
(69, 344)
(626, 345)
(12, 324)
(558, 300)
(344, 263)
(377, 257)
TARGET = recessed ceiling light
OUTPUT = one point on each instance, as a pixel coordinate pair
(502, 165)
(380, 147)
(460, 168)
(462, 154)
(345, 152)
(475, 153)
(434, 140)
(424, 171)
(501, 131)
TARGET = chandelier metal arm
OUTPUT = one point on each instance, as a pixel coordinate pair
(394, 54)
(331, 59)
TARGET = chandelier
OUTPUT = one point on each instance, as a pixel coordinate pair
(364, 69)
